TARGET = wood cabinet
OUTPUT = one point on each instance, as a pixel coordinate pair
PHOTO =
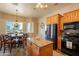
(59, 29)
(29, 47)
(59, 44)
(39, 47)
(56, 19)
(72, 16)
(53, 19)
(43, 51)
(48, 20)
(35, 50)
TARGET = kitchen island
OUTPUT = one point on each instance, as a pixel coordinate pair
(37, 46)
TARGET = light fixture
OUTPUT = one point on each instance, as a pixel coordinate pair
(41, 5)
(16, 15)
(16, 4)
(16, 21)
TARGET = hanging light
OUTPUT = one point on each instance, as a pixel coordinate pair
(16, 24)
(16, 16)
(40, 5)
(16, 5)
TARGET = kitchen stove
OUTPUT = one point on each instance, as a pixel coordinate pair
(70, 40)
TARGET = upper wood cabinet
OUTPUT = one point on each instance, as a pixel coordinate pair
(53, 19)
(48, 20)
(72, 16)
(78, 14)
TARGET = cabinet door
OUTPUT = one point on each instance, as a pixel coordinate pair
(65, 19)
(29, 47)
(62, 22)
(51, 20)
(35, 50)
(54, 19)
(74, 16)
(48, 20)
(78, 15)
(59, 43)
(71, 16)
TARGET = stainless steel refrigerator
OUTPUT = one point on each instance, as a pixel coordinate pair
(51, 34)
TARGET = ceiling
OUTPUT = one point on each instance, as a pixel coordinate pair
(28, 9)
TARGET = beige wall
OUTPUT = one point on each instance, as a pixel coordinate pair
(35, 21)
(43, 19)
(5, 17)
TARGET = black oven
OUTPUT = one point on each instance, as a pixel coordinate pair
(70, 39)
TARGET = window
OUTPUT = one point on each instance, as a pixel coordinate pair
(12, 27)
(30, 27)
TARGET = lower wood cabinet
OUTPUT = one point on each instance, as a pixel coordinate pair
(39, 48)
(35, 50)
(43, 51)
(59, 44)
(29, 47)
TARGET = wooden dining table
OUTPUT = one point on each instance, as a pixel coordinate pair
(11, 41)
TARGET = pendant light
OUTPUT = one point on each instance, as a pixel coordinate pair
(16, 4)
(16, 16)
(16, 21)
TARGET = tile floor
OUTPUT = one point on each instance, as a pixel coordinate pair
(58, 53)
(20, 52)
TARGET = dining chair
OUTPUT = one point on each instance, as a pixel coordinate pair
(1, 42)
(24, 38)
(7, 44)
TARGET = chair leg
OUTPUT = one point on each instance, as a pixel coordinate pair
(18, 44)
(15, 45)
(0, 47)
(10, 48)
(4, 49)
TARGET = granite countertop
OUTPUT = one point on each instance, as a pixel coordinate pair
(39, 41)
